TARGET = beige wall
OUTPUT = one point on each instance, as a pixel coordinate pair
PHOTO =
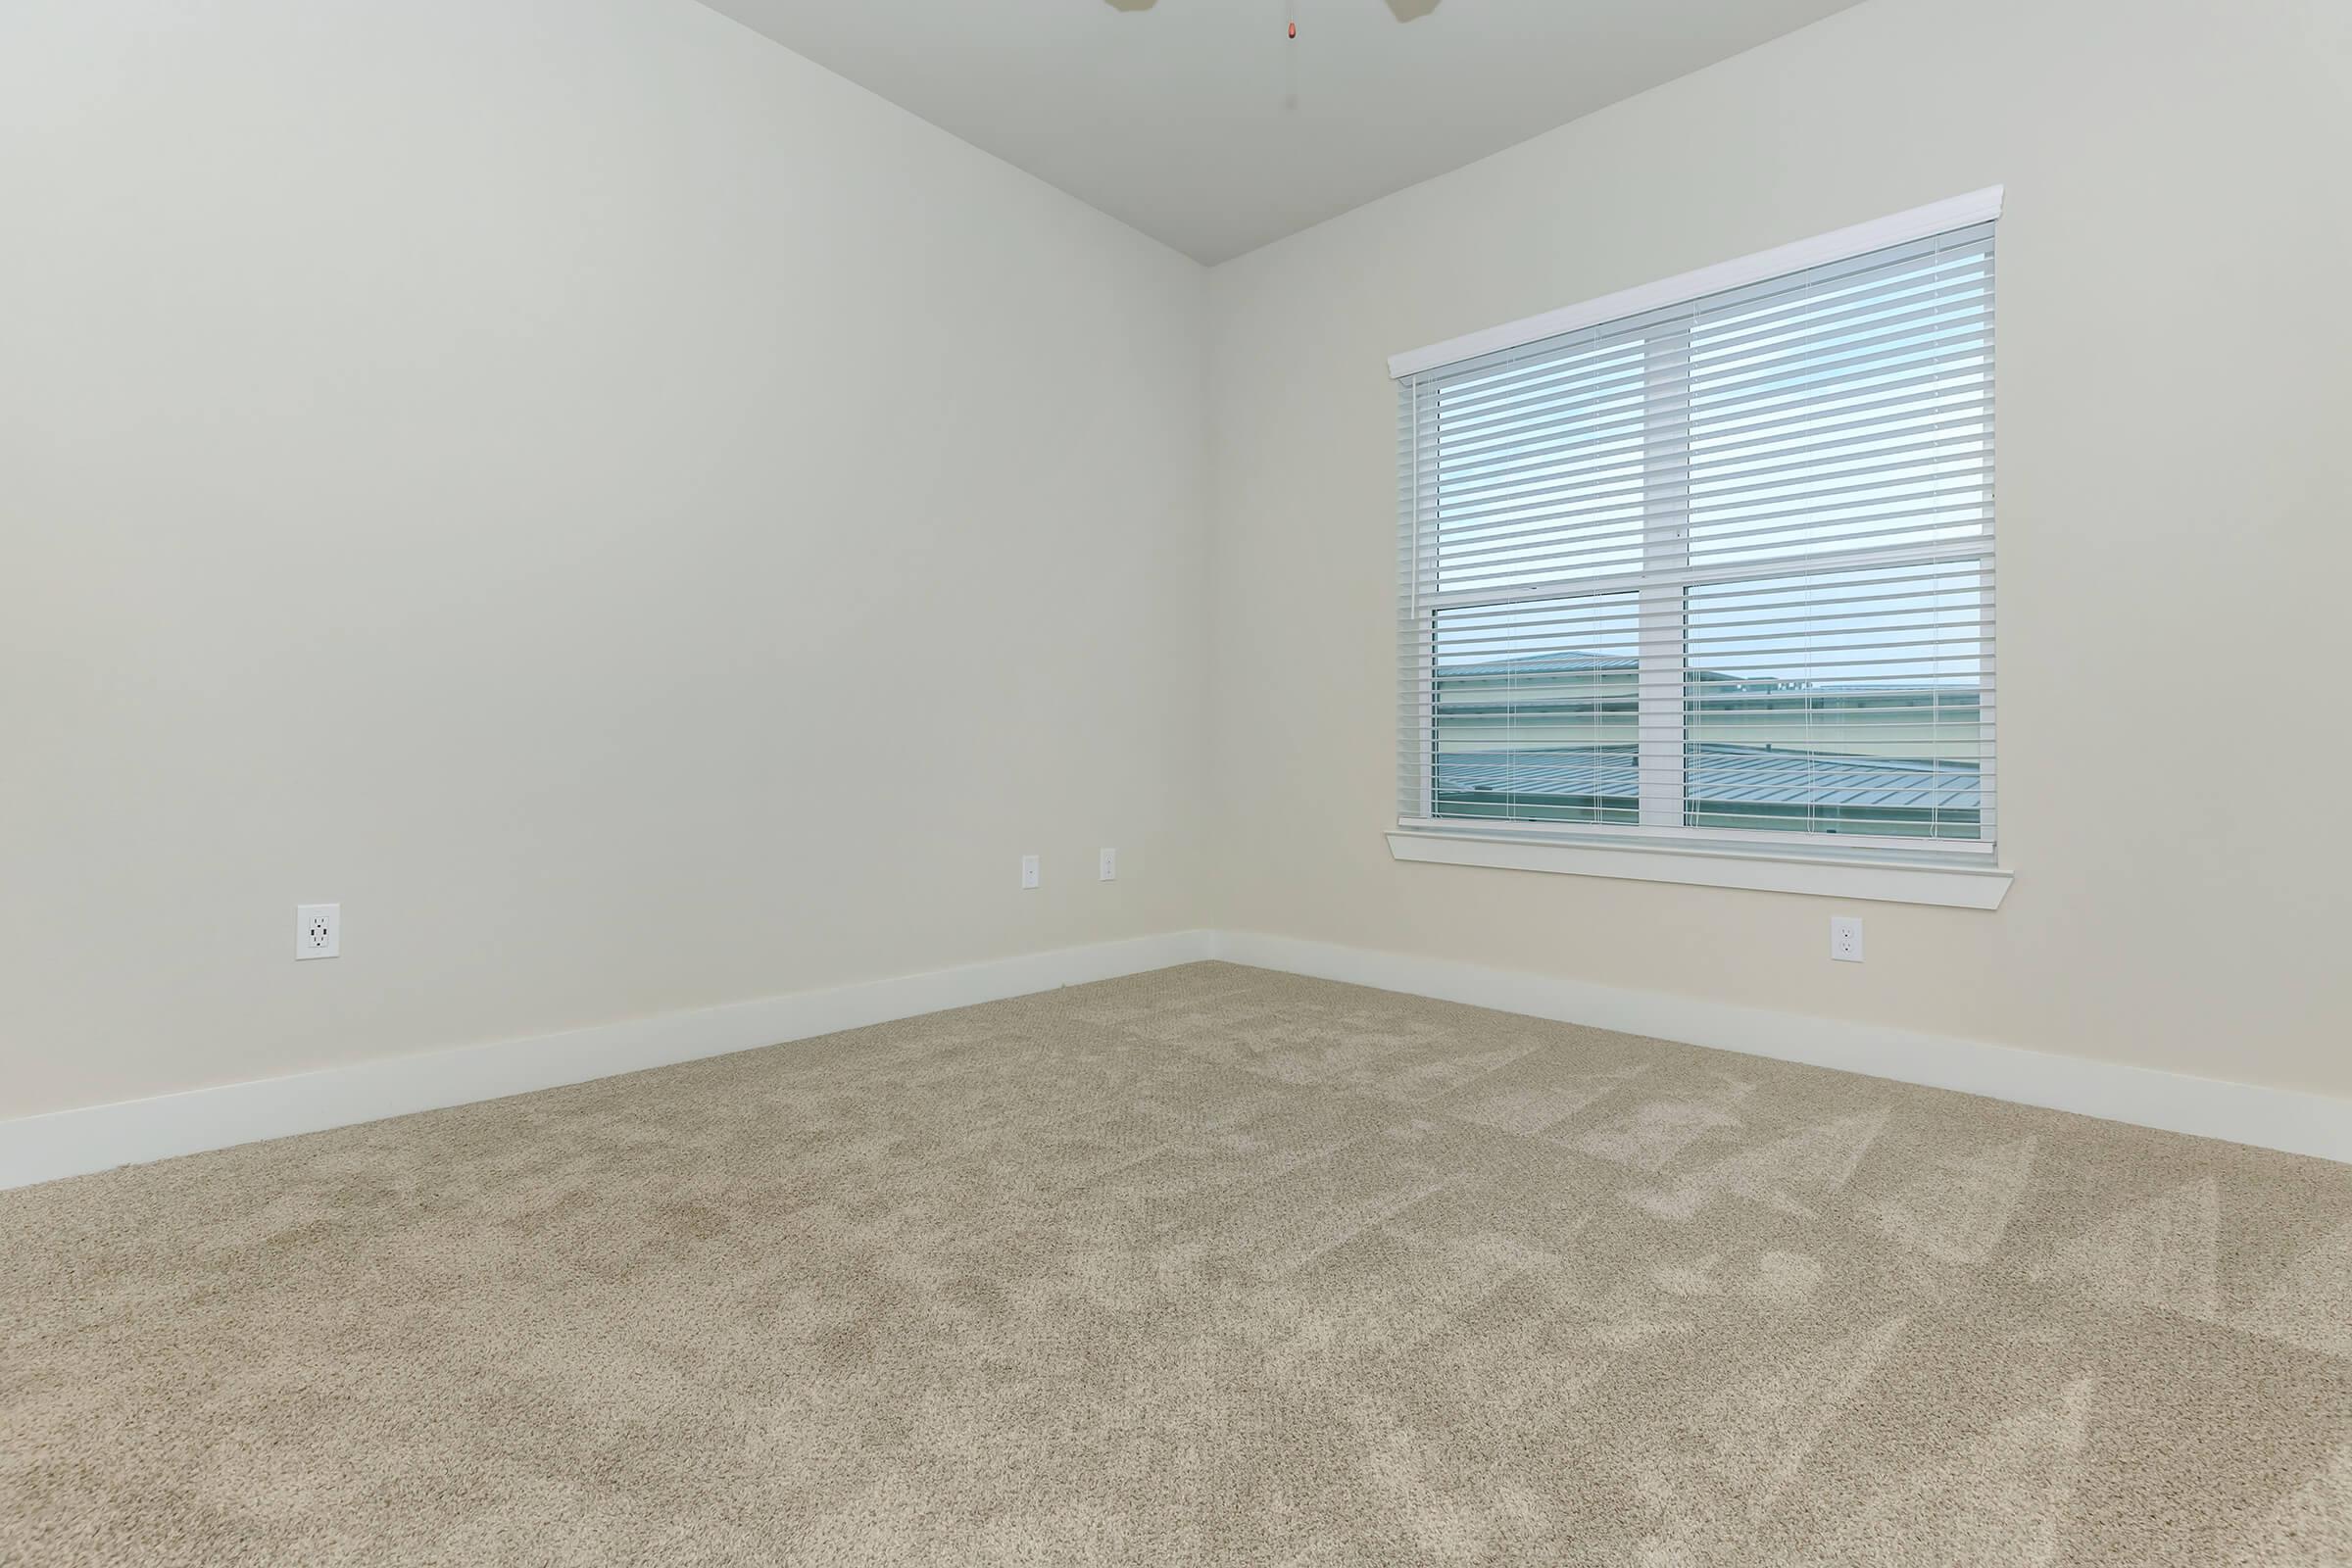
(645, 524)
(638, 521)
(2175, 513)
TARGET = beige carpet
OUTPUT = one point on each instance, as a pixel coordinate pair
(1207, 1266)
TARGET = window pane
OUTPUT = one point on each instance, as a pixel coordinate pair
(1534, 711)
(1849, 703)
(1539, 470)
(1858, 413)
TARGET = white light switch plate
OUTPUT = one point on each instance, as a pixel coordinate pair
(1029, 872)
(1109, 868)
(317, 930)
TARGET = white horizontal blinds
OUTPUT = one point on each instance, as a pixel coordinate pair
(1725, 567)
(1417, 565)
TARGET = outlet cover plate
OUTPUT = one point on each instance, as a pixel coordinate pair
(317, 931)
(1846, 938)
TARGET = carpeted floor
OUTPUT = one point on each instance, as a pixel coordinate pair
(1206, 1266)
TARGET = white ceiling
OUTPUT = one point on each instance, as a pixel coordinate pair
(1199, 122)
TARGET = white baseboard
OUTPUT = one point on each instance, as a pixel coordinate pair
(2209, 1107)
(73, 1143)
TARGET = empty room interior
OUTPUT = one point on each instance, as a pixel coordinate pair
(1304, 782)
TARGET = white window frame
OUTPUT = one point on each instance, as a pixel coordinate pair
(1948, 872)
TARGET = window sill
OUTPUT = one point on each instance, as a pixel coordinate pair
(1959, 887)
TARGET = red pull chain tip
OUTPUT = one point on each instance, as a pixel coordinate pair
(1293, 29)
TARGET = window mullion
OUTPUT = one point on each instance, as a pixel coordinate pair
(1665, 550)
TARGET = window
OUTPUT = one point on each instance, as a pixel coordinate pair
(1715, 571)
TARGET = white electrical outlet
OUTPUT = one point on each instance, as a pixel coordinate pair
(1110, 869)
(1846, 938)
(1029, 876)
(317, 930)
